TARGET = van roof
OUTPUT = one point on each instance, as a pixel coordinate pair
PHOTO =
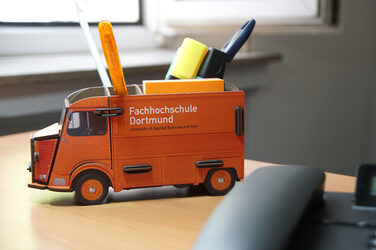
(100, 92)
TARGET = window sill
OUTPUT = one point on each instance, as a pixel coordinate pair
(25, 78)
(29, 69)
(77, 62)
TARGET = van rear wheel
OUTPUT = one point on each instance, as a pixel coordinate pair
(91, 189)
(219, 181)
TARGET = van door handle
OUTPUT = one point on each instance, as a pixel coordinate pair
(137, 169)
(109, 112)
(239, 120)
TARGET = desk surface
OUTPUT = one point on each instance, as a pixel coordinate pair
(152, 218)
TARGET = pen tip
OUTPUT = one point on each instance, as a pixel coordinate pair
(78, 8)
(251, 23)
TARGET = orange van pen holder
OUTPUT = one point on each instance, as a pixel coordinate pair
(141, 140)
(162, 132)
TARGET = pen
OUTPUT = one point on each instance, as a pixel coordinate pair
(238, 39)
(112, 57)
(93, 49)
(187, 60)
(215, 61)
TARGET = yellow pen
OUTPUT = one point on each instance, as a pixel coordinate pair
(112, 57)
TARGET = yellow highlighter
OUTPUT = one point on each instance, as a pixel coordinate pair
(187, 60)
(112, 57)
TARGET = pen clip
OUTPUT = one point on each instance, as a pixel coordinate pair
(112, 57)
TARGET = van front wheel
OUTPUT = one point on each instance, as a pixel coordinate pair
(91, 189)
(219, 181)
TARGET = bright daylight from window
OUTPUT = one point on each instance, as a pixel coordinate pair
(46, 11)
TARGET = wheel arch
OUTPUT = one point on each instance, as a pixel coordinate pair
(90, 168)
(235, 173)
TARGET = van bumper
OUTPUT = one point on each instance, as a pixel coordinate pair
(36, 186)
(51, 188)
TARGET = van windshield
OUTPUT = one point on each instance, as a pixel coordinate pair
(62, 116)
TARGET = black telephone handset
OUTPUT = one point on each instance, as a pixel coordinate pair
(285, 208)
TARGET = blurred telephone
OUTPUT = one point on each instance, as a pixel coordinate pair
(286, 208)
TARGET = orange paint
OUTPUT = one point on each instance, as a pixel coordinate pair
(143, 140)
(220, 180)
(183, 86)
(91, 189)
(43, 159)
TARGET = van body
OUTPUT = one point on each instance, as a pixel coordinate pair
(141, 140)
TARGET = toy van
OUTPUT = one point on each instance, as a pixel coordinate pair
(140, 140)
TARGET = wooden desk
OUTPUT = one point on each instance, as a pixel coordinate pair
(153, 218)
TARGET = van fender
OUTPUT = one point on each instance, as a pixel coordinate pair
(90, 167)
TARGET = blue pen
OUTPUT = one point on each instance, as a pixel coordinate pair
(215, 61)
(238, 39)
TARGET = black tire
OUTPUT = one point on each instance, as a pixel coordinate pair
(91, 189)
(220, 181)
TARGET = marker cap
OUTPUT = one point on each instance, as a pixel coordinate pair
(188, 61)
(214, 64)
(168, 74)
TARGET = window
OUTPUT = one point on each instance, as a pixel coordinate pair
(63, 12)
(85, 123)
(226, 11)
(51, 27)
(158, 21)
(210, 17)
